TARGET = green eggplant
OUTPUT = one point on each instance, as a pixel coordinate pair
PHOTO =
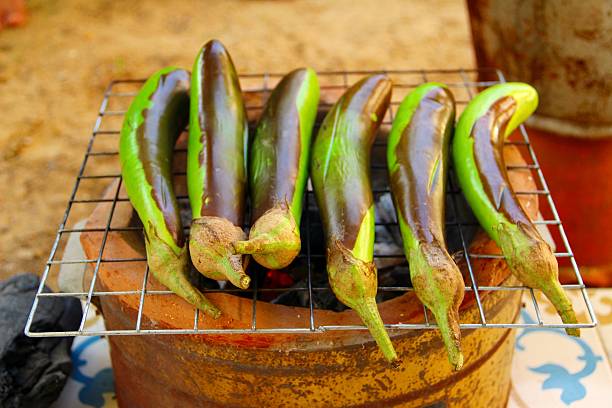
(479, 161)
(156, 117)
(278, 170)
(216, 166)
(340, 172)
(417, 159)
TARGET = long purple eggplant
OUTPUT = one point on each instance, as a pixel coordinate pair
(156, 117)
(278, 170)
(340, 171)
(216, 166)
(417, 157)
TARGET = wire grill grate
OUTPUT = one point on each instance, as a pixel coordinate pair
(100, 167)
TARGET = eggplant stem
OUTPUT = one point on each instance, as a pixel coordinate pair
(448, 326)
(212, 252)
(532, 261)
(264, 244)
(439, 285)
(557, 296)
(368, 312)
(231, 267)
(274, 239)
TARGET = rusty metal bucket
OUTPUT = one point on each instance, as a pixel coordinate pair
(563, 49)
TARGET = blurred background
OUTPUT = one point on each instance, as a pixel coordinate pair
(57, 57)
(55, 67)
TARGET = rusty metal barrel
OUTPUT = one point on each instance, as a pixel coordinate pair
(563, 49)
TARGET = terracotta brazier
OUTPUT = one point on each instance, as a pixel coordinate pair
(328, 369)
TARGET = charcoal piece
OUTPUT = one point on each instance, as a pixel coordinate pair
(326, 300)
(292, 297)
(385, 213)
(388, 251)
(459, 212)
(33, 371)
(397, 276)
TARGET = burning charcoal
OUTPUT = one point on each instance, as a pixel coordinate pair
(393, 277)
(464, 215)
(388, 240)
(297, 298)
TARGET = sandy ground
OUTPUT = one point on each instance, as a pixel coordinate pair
(53, 72)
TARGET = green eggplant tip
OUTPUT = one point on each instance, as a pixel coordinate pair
(212, 251)
(449, 330)
(458, 365)
(274, 239)
(448, 325)
(368, 312)
(555, 293)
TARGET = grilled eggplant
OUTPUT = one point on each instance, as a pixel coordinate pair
(340, 171)
(156, 117)
(478, 156)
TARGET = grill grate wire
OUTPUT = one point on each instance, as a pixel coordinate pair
(461, 81)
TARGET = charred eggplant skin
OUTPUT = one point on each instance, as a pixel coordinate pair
(340, 168)
(478, 156)
(156, 117)
(216, 165)
(278, 169)
(417, 156)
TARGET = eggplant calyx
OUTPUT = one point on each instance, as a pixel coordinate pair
(354, 282)
(171, 270)
(532, 260)
(439, 286)
(212, 251)
(274, 239)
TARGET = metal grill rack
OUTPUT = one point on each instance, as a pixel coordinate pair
(100, 167)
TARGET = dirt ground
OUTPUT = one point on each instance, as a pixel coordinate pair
(54, 69)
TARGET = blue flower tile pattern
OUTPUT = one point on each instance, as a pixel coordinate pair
(558, 376)
(551, 369)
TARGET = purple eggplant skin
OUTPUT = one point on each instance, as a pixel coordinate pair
(278, 170)
(156, 117)
(489, 118)
(417, 158)
(340, 173)
(216, 166)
